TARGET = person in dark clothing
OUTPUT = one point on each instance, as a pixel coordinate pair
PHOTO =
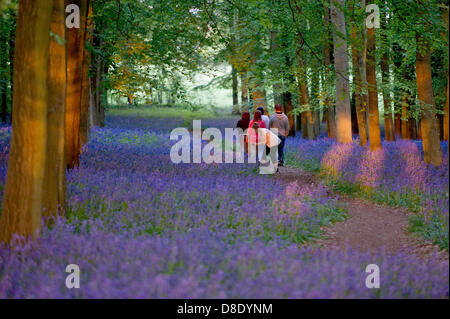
(244, 122)
(280, 122)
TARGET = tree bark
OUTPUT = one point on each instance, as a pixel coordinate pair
(244, 87)
(330, 118)
(287, 102)
(343, 113)
(446, 118)
(429, 124)
(388, 121)
(405, 127)
(4, 56)
(274, 46)
(234, 86)
(85, 92)
(357, 59)
(54, 192)
(75, 54)
(374, 119)
(22, 201)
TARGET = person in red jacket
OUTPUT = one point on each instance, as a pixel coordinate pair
(253, 135)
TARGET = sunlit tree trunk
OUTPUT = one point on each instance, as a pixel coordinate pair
(429, 124)
(75, 67)
(357, 59)
(22, 201)
(55, 170)
(343, 113)
(374, 119)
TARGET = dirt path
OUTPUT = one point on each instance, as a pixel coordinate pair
(370, 227)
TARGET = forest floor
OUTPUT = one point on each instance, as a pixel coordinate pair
(370, 226)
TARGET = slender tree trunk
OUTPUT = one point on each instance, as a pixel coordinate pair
(357, 59)
(234, 86)
(12, 46)
(75, 67)
(244, 87)
(446, 118)
(55, 171)
(412, 129)
(405, 127)
(330, 112)
(274, 46)
(445, 15)
(429, 124)
(374, 119)
(388, 121)
(343, 113)
(85, 92)
(307, 119)
(4, 69)
(22, 201)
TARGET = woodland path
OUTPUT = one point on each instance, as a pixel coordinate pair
(370, 226)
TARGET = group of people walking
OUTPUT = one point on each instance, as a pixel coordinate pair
(259, 129)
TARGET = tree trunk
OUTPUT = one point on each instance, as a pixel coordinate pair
(360, 106)
(429, 125)
(374, 119)
(75, 53)
(388, 121)
(85, 92)
(55, 172)
(12, 46)
(3, 70)
(287, 102)
(412, 129)
(235, 86)
(22, 201)
(405, 118)
(274, 47)
(330, 113)
(244, 88)
(343, 114)
(446, 118)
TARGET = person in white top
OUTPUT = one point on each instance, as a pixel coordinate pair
(264, 117)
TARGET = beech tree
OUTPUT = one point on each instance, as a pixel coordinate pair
(373, 112)
(358, 63)
(55, 172)
(429, 123)
(23, 195)
(327, 52)
(343, 113)
(75, 80)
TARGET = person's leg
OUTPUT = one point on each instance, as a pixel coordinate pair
(281, 149)
(274, 157)
(262, 153)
